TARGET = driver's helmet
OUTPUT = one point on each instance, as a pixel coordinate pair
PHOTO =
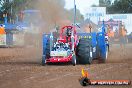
(69, 32)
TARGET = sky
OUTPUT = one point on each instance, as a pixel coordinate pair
(81, 4)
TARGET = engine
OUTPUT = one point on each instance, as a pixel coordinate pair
(61, 46)
(60, 49)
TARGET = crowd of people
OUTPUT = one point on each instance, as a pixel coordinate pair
(122, 35)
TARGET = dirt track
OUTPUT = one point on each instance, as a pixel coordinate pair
(21, 68)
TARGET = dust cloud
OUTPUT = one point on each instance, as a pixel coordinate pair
(53, 13)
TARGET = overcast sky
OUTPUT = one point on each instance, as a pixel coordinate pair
(81, 4)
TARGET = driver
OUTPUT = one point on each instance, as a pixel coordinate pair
(68, 34)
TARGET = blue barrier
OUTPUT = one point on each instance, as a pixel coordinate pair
(9, 39)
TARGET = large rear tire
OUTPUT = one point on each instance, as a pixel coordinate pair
(106, 55)
(84, 51)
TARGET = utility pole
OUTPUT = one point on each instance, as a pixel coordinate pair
(74, 25)
(74, 12)
(11, 11)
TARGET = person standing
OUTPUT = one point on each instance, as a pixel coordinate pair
(2, 35)
(122, 36)
(110, 33)
(2, 29)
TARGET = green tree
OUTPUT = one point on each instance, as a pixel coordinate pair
(101, 3)
(104, 3)
(12, 7)
(121, 6)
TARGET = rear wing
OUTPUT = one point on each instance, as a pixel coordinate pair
(91, 36)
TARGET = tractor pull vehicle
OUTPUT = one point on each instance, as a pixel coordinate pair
(75, 47)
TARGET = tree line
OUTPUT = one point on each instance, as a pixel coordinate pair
(13, 7)
(116, 6)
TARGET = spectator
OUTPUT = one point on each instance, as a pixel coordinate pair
(110, 33)
(122, 36)
(2, 29)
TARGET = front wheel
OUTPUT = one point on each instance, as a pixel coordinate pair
(74, 61)
(43, 61)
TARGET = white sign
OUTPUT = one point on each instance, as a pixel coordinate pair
(94, 13)
(120, 16)
(2, 39)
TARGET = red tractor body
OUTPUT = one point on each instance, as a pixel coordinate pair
(62, 50)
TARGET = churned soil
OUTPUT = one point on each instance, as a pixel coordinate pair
(21, 68)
